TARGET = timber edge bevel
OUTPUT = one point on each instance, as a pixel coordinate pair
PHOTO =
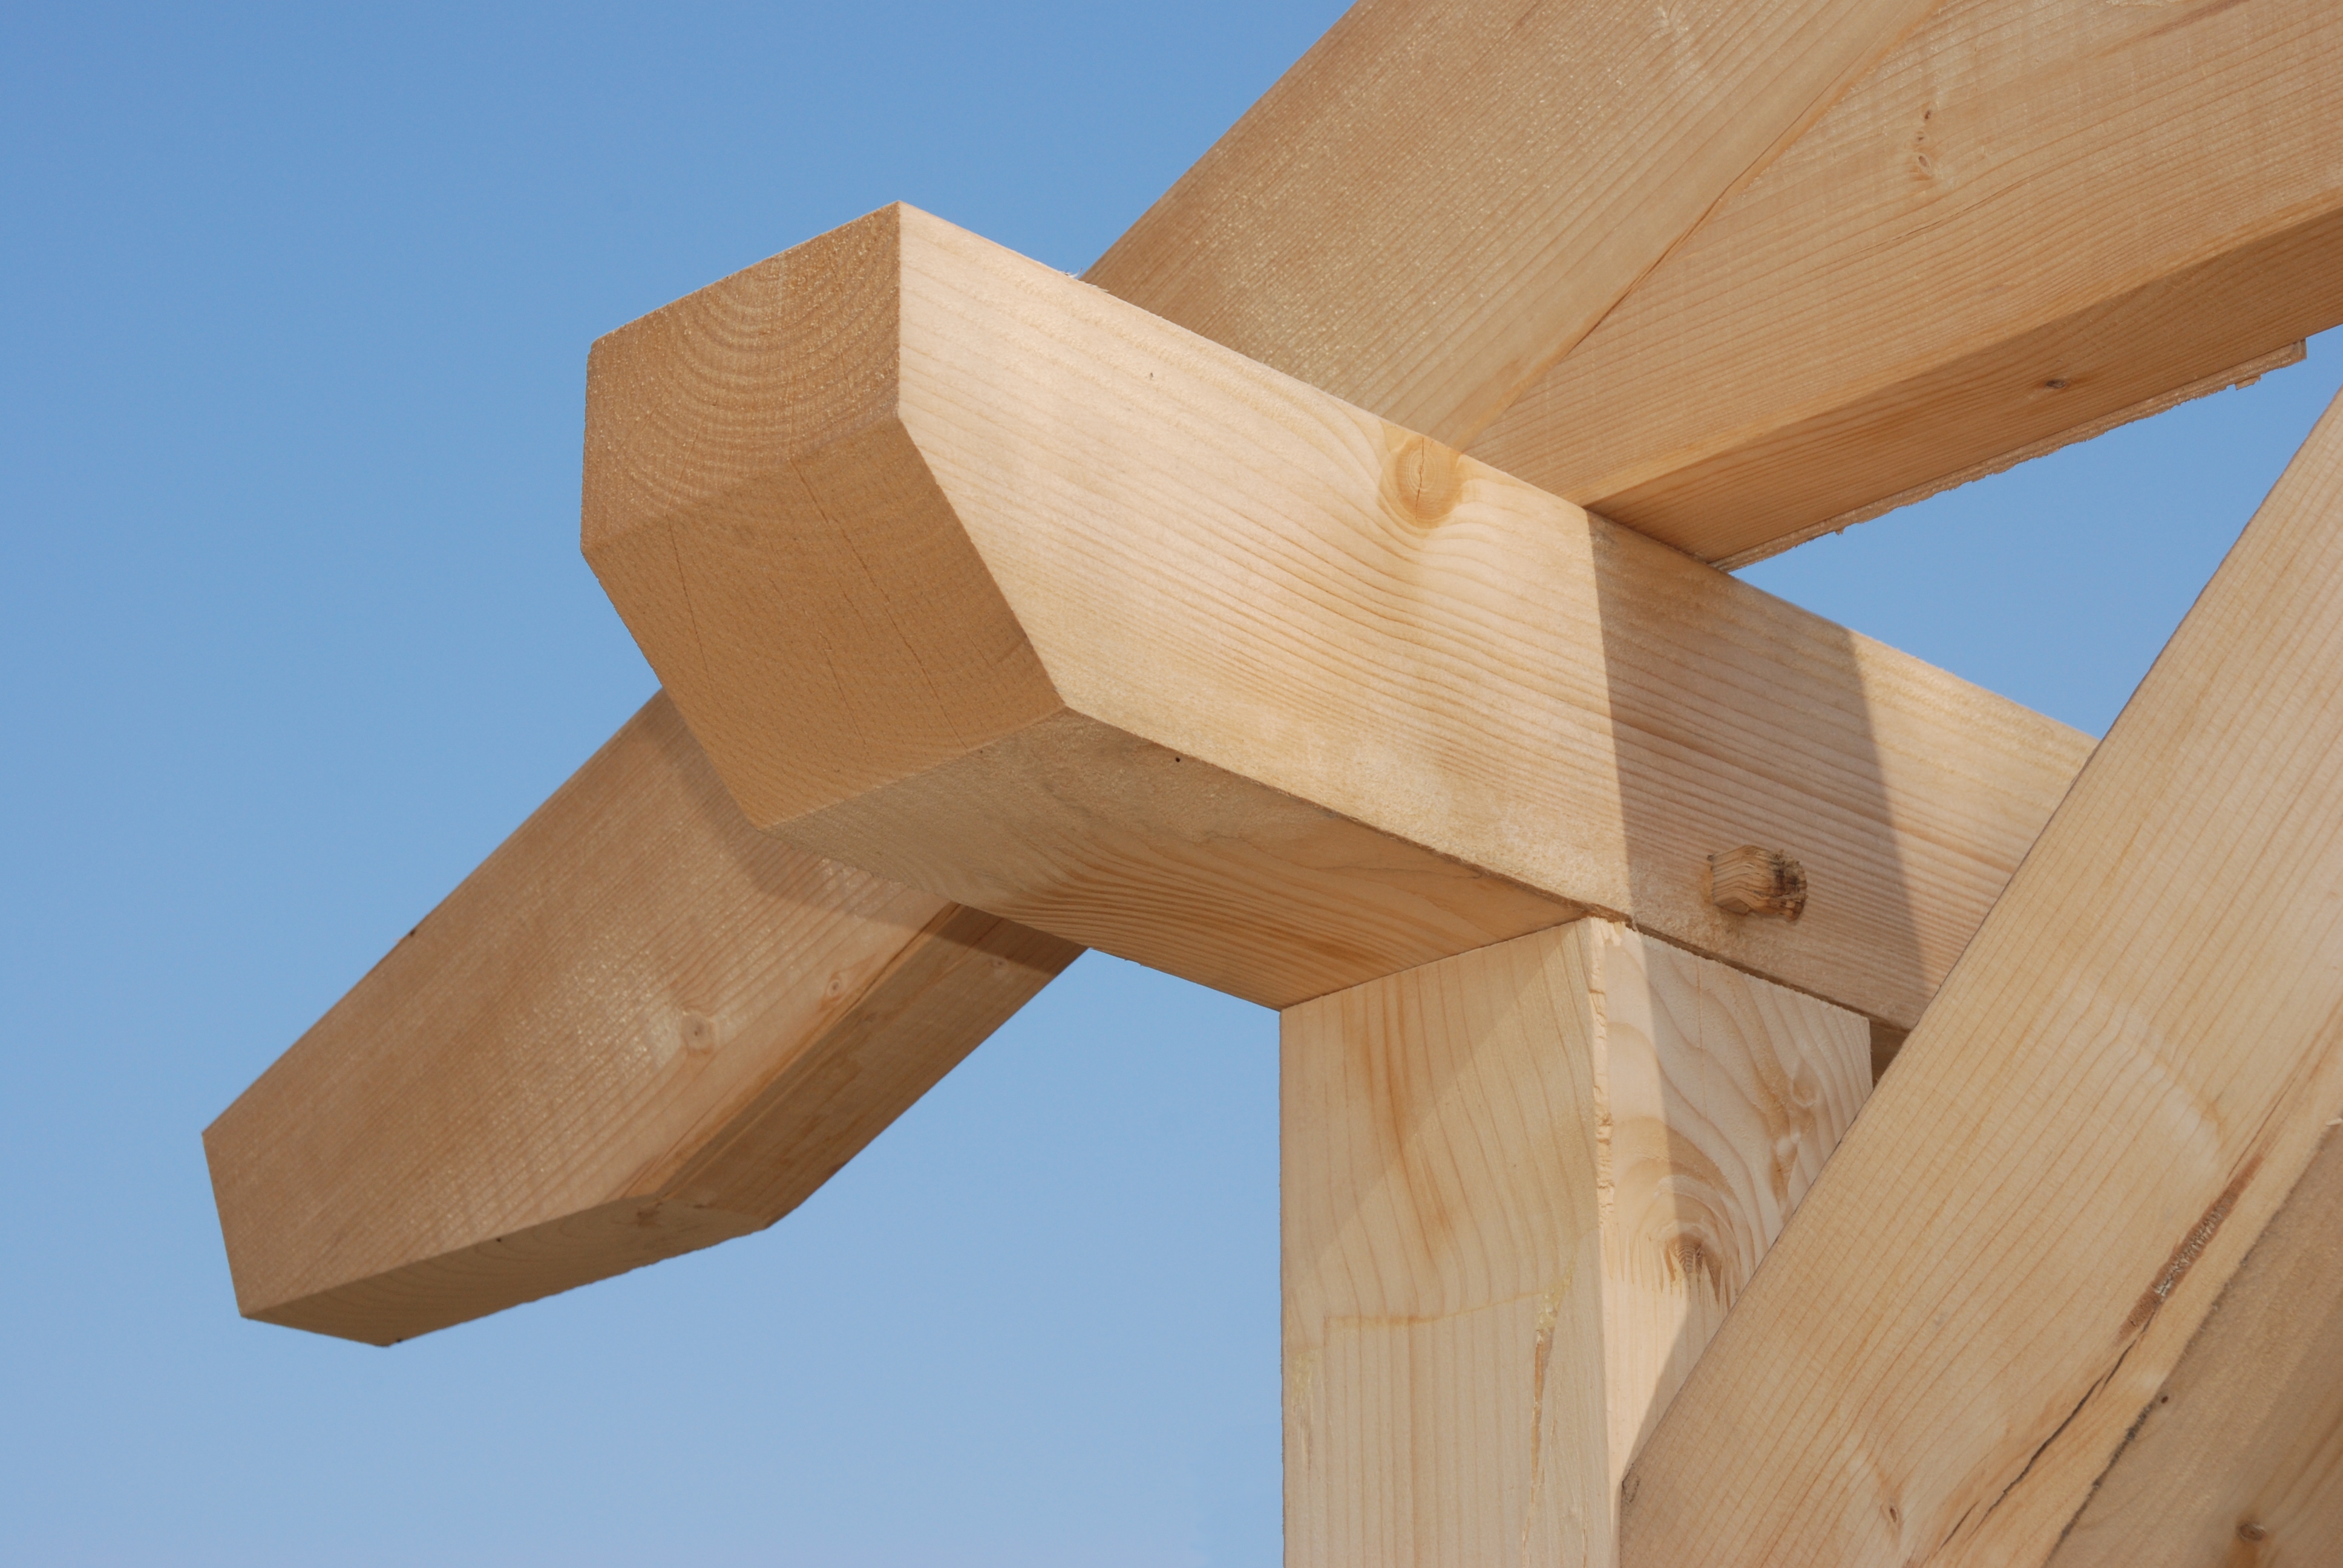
(984, 580)
(639, 1029)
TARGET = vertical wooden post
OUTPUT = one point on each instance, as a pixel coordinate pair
(1522, 1186)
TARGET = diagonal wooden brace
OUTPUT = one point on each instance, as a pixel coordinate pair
(978, 577)
(1967, 1329)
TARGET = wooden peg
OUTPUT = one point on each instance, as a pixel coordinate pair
(1751, 880)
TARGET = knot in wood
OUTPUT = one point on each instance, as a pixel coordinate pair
(1752, 881)
(1421, 483)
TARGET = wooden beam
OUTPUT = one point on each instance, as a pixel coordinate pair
(979, 578)
(2036, 219)
(1238, 250)
(1522, 1187)
(639, 1029)
(2238, 1460)
(1439, 199)
(2119, 1082)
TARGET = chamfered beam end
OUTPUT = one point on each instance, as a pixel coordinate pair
(504, 1272)
(758, 510)
(639, 1029)
(974, 576)
(829, 494)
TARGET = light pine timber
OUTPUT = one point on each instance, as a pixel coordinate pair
(1468, 187)
(1522, 1188)
(1236, 250)
(2115, 1090)
(2238, 1461)
(983, 579)
(2033, 220)
(640, 1027)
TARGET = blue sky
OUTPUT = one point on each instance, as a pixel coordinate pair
(296, 630)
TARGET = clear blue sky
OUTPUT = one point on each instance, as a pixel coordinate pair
(296, 630)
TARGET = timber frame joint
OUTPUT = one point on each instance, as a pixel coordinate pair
(1310, 601)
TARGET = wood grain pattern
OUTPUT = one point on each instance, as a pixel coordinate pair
(2238, 1461)
(2236, 377)
(1244, 682)
(1439, 199)
(1511, 232)
(1745, 81)
(1522, 1187)
(2099, 1114)
(2033, 216)
(639, 1029)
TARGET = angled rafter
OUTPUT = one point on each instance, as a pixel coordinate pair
(579, 1063)
(2118, 1085)
(2036, 219)
(1008, 589)
(1470, 187)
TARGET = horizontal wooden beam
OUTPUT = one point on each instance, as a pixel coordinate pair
(981, 579)
(1439, 199)
(639, 1029)
(2239, 1459)
(1522, 1188)
(2034, 218)
(2118, 1086)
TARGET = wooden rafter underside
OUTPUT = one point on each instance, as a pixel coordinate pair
(2034, 218)
(581, 1062)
